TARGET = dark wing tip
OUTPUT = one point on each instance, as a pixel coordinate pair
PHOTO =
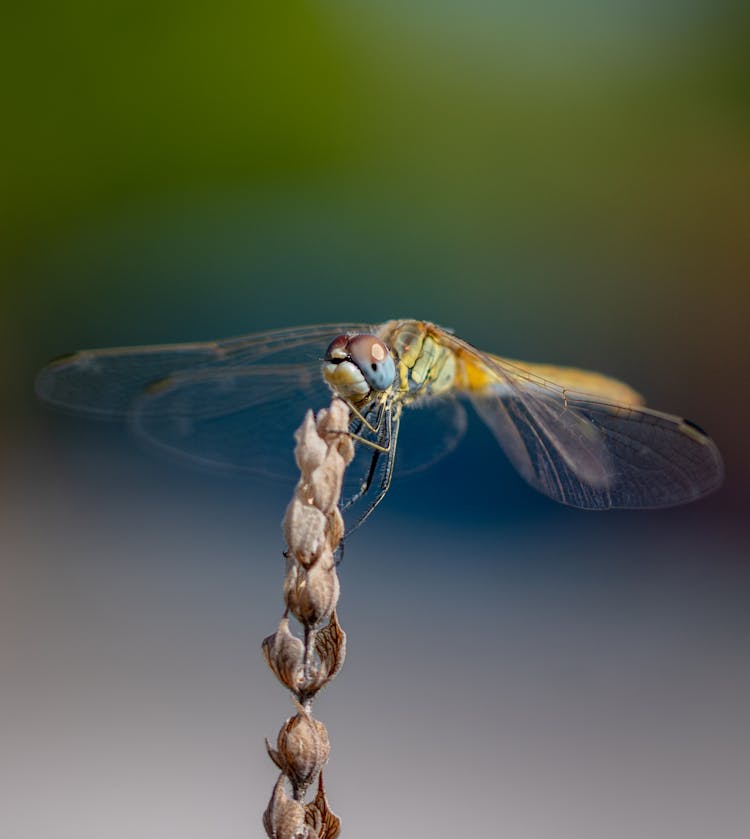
(699, 435)
(695, 427)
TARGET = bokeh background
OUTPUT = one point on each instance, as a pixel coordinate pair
(566, 183)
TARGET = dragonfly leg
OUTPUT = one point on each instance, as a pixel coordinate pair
(367, 483)
(363, 424)
(379, 448)
(363, 421)
(385, 482)
(385, 444)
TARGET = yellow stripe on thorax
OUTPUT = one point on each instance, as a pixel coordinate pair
(425, 364)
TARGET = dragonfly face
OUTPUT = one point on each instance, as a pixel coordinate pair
(356, 365)
(581, 438)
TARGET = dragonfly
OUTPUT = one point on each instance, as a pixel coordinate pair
(582, 438)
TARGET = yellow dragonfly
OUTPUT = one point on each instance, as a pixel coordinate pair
(581, 438)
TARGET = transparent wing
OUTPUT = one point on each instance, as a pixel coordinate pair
(588, 452)
(231, 404)
(430, 430)
(242, 418)
(107, 382)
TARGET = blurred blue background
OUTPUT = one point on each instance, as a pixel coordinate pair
(563, 184)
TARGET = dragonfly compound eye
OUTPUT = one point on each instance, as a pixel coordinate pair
(338, 349)
(374, 360)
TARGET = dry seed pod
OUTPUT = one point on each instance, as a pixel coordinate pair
(326, 481)
(330, 645)
(292, 582)
(345, 447)
(325, 558)
(325, 823)
(311, 594)
(302, 749)
(284, 654)
(304, 530)
(335, 527)
(310, 450)
(333, 425)
(284, 817)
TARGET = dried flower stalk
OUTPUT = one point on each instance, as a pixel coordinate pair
(313, 528)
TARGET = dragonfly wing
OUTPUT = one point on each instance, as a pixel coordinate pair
(556, 450)
(106, 383)
(238, 419)
(587, 452)
(229, 404)
(659, 460)
(431, 429)
(570, 379)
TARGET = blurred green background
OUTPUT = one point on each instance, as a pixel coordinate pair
(567, 183)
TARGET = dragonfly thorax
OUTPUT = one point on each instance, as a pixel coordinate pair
(357, 365)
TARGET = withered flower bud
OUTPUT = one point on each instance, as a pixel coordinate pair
(284, 654)
(326, 481)
(330, 646)
(304, 530)
(310, 450)
(325, 558)
(302, 749)
(333, 425)
(284, 817)
(324, 822)
(311, 594)
(335, 527)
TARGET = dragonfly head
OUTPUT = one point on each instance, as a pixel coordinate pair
(356, 365)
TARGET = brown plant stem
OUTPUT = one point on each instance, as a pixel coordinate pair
(313, 528)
